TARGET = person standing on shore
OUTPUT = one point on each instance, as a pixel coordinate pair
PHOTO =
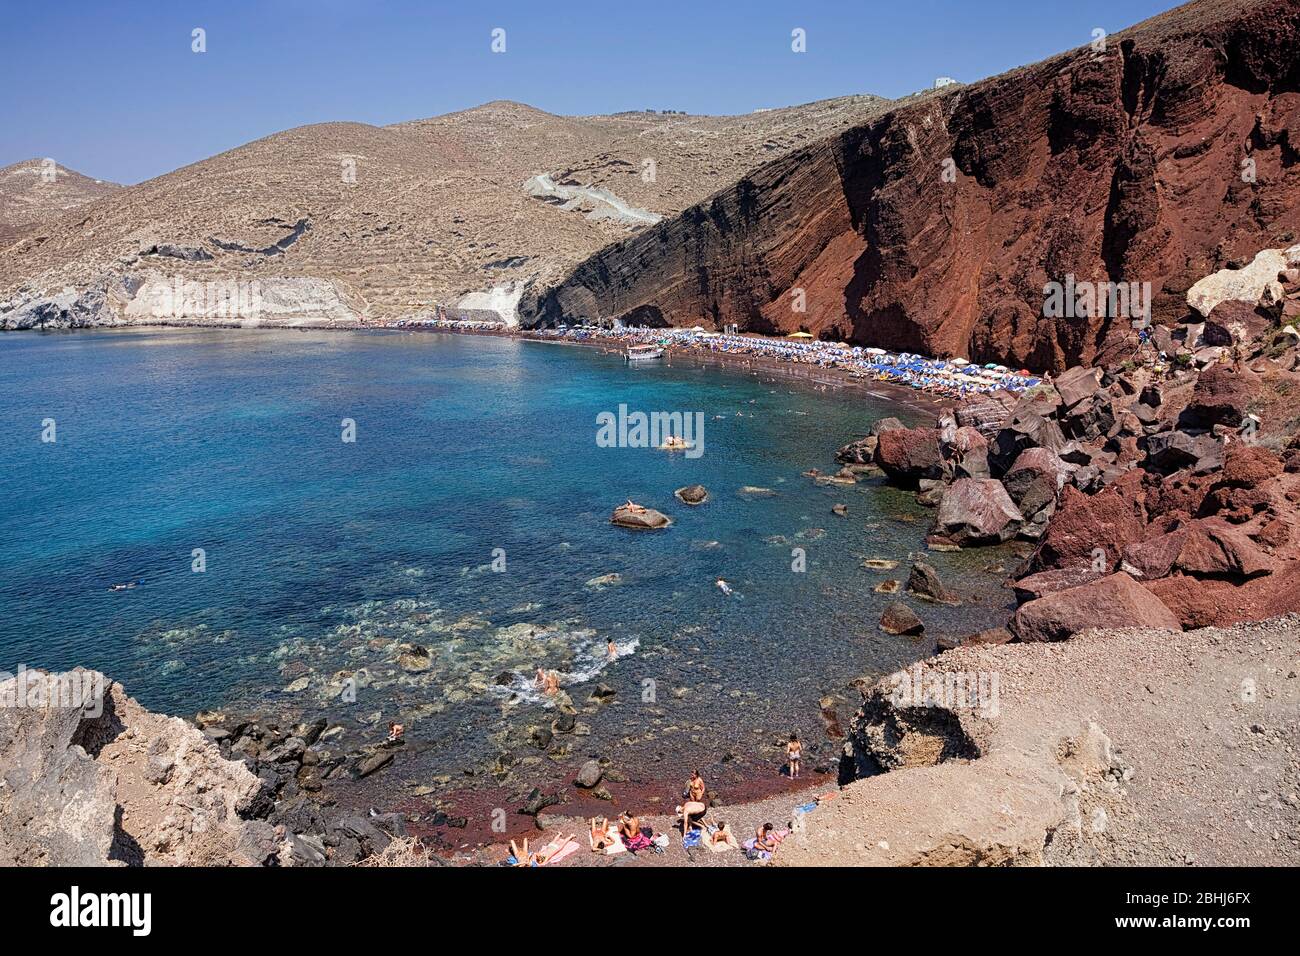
(793, 755)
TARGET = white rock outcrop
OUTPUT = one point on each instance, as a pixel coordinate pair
(1257, 283)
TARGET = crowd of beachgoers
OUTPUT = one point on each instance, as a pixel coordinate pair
(696, 826)
(954, 377)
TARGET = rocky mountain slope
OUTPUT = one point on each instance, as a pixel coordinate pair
(936, 226)
(38, 191)
(397, 218)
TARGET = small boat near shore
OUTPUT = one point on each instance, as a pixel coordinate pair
(643, 353)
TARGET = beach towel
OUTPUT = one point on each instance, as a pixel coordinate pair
(570, 847)
(723, 847)
(692, 839)
(806, 807)
(638, 842)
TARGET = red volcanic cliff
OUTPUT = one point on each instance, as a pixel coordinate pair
(935, 227)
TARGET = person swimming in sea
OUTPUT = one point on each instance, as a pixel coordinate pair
(125, 586)
(611, 650)
(548, 682)
(723, 586)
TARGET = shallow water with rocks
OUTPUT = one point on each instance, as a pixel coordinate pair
(424, 571)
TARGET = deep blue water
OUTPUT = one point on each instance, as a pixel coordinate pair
(322, 556)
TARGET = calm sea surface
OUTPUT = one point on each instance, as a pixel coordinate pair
(373, 559)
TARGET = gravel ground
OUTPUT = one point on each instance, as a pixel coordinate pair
(1130, 747)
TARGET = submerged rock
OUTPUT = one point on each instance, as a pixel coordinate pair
(413, 658)
(879, 564)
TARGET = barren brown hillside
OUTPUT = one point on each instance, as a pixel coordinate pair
(37, 191)
(422, 212)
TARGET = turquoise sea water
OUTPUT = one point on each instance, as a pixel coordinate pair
(323, 557)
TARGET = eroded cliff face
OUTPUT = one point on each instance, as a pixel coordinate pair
(936, 227)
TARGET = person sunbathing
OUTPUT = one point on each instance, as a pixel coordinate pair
(629, 829)
(765, 838)
(628, 824)
(722, 838)
(601, 834)
(633, 507)
(521, 855)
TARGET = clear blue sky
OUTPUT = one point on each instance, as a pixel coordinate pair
(111, 88)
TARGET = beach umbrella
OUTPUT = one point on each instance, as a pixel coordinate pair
(799, 335)
(960, 361)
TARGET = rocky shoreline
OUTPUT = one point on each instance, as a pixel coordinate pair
(1156, 494)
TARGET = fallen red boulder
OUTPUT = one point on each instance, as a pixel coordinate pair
(1214, 548)
(1087, 526)
(907, 455)
(978, 511)
(1114, 601)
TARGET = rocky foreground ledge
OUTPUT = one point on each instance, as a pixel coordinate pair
(88, 777)
(1117, 747)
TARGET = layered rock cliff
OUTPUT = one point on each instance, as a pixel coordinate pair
(936, 227)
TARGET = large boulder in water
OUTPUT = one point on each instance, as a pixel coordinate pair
(692, 494)
(978, 511)
(1114, 601)
(639, 518)
(900, 619)
(907, 455)
(859, 452)
(924, 582)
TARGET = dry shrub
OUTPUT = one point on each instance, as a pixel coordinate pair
(402, 851)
